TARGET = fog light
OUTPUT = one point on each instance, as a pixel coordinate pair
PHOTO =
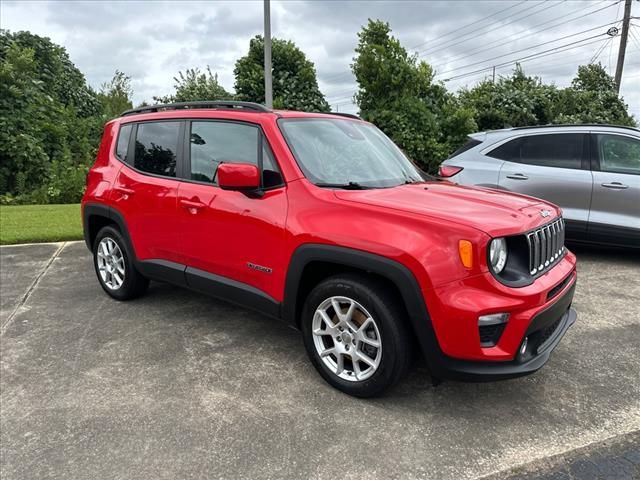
(523, 348)
(493, 319)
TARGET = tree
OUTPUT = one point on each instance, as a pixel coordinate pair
(116, 94)
(592, 98)
(520, 100)
(50, 121)
(514, 101)
(194, 85)
(295, 86)
(398, 94)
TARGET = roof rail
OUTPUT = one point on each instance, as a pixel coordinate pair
(217, 104)
(348, 115)
(550, 125)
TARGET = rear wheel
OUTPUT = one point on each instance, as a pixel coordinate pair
(355, 335)
(114, 266)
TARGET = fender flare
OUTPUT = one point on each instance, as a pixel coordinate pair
(400, 275)
(97, 210)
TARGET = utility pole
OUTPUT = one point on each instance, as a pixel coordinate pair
(268, 86)
(494, 74)
(623, 43)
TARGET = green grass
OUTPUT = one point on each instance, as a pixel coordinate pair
(39, 223)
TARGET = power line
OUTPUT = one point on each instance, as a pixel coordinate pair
(528, 48)
(439, 44)
(544, 53)
(470, 24)
(502, 41)
(462, 28)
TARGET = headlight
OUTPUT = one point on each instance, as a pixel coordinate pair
(498, 254)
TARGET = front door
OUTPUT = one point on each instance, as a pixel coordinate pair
(230, 234)
(615, 209)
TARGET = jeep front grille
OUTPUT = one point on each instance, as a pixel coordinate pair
(546, 246)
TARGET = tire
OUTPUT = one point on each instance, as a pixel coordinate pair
(113, 263)
(376, 315)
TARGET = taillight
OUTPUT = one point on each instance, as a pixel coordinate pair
(447, 171)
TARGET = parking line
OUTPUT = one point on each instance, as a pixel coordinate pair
(31, 288)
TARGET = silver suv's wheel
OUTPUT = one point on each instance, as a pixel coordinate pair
(111, 266)
(347, 338)
(354, 331)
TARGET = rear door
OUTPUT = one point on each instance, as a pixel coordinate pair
(554, 167)
(145, 191)
(615, 209)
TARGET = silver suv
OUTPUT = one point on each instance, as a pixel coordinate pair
(591, 171)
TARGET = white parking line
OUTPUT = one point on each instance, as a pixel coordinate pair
(33, 285)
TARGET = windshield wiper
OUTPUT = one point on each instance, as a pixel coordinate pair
(345, 186)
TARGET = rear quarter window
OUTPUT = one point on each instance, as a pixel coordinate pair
(472, 142)
(122, 145)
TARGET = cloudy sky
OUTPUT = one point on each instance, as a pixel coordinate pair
(152, 40)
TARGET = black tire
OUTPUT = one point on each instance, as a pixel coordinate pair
(389, 316)
(134, 283)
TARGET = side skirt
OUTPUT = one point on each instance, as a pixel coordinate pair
(210, 284)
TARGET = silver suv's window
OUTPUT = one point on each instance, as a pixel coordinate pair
(619, 154)
(560, 150)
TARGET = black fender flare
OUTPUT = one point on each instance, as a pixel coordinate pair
(95, 209)
(399, 274)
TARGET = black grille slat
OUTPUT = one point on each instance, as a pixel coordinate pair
(546, 246)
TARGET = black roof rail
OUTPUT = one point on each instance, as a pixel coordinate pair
(348, 115)
(551, 125)
(215, 104)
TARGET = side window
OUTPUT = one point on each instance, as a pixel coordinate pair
(214, 143)
(156, 148)
(562, 150)
(509, 151)
(123, 141)
(619, 154)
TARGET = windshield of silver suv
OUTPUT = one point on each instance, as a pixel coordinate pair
(342, 153)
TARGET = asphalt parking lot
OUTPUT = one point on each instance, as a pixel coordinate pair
(177, 385)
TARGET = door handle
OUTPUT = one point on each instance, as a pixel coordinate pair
(518, 176)
(192, 205)
(126, 192)
(615, 185)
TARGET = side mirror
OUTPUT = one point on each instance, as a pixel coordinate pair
(238, 176)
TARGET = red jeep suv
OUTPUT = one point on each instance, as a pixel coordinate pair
(320, 220)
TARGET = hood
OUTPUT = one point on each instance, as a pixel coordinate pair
(492, 211)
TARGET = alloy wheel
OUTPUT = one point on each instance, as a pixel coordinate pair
(110, 263)
(347, 338)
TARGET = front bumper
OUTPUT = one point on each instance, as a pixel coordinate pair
(540, 313)
(557, 318)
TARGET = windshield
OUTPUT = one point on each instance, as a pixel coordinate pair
(346, 153)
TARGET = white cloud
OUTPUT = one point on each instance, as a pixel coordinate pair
(152, 40)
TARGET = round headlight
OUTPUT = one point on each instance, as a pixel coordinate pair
(498, 254)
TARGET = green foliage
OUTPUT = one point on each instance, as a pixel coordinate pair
(50, 121)
(116, 94)
(295, 86)
(194, 85)
(521, 100)
(397, 93)
(592, 98)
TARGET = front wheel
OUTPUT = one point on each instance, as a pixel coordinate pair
(355, 335)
